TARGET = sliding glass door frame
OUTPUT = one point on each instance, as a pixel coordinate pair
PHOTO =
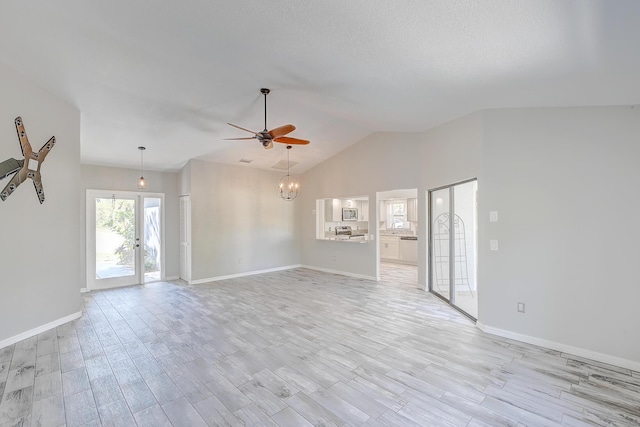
(451, 246)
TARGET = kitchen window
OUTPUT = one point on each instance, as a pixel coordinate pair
(399, 211)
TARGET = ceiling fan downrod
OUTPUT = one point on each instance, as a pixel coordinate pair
(265, 92)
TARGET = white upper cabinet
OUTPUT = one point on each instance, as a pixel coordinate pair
(412, 210)
(332, 210)
(363, 210)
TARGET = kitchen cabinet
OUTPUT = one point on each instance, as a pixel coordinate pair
(389, 247)
(363, 210)
(383, 210)
(332, 210)
(328, 211)
(412, 210)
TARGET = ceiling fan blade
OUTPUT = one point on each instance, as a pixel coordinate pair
(239, 139)
(289, 140)
(281, 131)
(246, 130)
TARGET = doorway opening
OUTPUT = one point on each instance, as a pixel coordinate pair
(453, 231)
(125, 238)
(398, 236)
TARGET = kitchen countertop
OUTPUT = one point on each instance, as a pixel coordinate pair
(396, 233)
(346, 240)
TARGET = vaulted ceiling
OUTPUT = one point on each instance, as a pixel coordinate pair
(169, 74)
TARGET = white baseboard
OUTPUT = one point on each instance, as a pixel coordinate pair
(342, 273)
(288, 267)
(169, 278)
(577, 351)
(40, 329)
(247, 273)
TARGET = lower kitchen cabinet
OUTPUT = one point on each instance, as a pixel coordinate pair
(389, 247)
(394, 248)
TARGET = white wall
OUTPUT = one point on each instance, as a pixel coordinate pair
(383, 162)
(121, 179)
(380, 162)
(565, 184)
(449, 153)
(564, 181)
(40, 255)
(239, 223)
(184, 180)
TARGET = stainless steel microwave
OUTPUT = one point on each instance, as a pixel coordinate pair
(349, 214)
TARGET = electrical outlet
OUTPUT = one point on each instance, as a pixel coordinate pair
(520, 307)
(239, 260)
(493, 245)
(333, 258)
(493, 216)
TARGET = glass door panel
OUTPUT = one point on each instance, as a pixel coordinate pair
(464, 237)
(453, 242)
(116, 241)
(152, 238)
(440, 243)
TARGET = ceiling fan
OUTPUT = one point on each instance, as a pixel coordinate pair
(267, 137)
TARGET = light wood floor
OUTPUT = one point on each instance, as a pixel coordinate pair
(297, 348)
(393, 273)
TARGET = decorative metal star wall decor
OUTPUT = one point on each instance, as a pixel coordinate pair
(27, 168)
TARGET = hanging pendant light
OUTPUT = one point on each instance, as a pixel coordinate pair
(288, 187)
(142, 182)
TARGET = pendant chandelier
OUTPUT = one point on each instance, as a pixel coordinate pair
(142, 183)
(288, 186)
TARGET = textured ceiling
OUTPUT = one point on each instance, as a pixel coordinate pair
(170, 74)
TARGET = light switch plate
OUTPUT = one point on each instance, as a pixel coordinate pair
(493, 245)
(493, 216)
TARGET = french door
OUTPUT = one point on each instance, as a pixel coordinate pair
(124, 238)
(452, 245)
